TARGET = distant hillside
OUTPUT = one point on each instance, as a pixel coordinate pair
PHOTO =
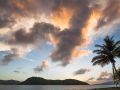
(9, 82)
(42, 81)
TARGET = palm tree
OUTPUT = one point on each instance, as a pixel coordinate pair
(107, 53)
(117, 79)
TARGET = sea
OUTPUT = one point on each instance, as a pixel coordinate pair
(53, 87)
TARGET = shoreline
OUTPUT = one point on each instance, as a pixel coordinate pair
(109, 88)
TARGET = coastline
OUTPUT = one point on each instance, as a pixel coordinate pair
(111, 88)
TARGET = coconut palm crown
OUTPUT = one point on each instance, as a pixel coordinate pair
(107, 53)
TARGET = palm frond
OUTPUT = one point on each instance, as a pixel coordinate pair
(116, 44)
(101, 58)
(102, 47)
(97, 51)
(97, 45)
(101, 62)
(98, 57)
(116, 51)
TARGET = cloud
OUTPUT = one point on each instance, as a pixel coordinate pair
(91, 79)
(16, 71)
(19, 68)
(79, 53)
(41, 67)
(105, 76)
(37, 34)
(70, 28)
(41, 33)
(110, 13)
(71, 38)
(81, 71)
(5, 52)
(12, 55)
(14, 10)
(6, 21)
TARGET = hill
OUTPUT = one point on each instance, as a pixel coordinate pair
(9, 82)
(42, 81)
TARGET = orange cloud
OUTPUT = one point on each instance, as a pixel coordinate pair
(19, 4)
(78, 53)
(62, 17)
(53, 40)
(94, 18)
(87, 33)
(45, 64)
(24, 7)
(89, 30)
(41, 67)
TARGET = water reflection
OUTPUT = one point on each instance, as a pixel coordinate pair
(52, 87)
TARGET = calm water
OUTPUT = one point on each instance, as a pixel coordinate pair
(52, 87)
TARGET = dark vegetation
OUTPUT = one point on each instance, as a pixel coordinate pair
(42, 81)
(9, 82)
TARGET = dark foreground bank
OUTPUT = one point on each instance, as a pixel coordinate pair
(112, 88)
(56, 87)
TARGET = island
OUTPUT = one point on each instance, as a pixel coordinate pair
(42, 81)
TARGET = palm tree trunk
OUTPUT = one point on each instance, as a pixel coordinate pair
(114, 77)
(116, 70)
(113, 73)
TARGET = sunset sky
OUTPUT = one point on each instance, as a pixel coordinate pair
(54, 39)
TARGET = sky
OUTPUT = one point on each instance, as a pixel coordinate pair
(55, 39)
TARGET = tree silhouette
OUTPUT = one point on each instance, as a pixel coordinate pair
(107, 53)
(117, 78)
